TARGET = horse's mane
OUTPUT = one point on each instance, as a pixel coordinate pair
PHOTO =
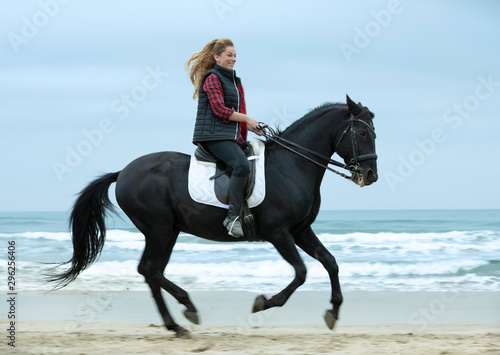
(310, 116)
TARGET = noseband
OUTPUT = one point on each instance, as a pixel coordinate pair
(352, 166)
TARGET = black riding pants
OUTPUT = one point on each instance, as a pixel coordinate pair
(231, 154)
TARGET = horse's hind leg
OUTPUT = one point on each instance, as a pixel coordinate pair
(309, 242)
(153, 262)
(179, 294)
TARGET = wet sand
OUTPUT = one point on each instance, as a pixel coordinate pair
(371, 323)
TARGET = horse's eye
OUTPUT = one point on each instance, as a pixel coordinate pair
(362, 133)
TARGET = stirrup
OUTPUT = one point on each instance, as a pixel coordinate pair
(234, 228)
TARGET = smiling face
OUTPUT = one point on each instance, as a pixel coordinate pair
(227, 58)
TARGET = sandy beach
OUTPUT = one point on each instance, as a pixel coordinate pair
(445, 322)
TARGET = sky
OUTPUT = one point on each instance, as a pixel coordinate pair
(88, 86)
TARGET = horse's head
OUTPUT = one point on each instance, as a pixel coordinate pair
(356, 144)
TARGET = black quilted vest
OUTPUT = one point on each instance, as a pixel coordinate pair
(209, 127)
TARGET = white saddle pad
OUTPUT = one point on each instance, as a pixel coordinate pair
(202, 189)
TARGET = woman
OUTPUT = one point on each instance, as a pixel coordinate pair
(221, 120)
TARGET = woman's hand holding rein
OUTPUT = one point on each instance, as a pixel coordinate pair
(252, 124)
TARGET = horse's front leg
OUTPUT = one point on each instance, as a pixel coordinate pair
(286, 247)
(309, 242)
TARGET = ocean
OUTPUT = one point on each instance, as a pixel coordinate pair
(422, 250)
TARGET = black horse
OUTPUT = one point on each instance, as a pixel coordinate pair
(153, 192)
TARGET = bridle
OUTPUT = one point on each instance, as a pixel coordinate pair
(356, 158)
(352, 166)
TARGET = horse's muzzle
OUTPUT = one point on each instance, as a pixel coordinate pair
(371, 176)
(363, 178)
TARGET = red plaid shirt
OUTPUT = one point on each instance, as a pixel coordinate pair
(213, 88)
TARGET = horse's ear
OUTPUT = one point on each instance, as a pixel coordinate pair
(352, 106)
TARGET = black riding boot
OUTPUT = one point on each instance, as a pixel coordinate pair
(237, 187)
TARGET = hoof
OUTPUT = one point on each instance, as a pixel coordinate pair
(259, 304)
(192, 317)
(182, 333)
(330, 319)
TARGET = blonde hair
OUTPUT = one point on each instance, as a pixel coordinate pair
(204, 60)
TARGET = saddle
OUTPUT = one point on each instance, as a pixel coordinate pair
(223, 171)
(221, 180)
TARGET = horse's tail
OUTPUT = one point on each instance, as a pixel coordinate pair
(87, 224)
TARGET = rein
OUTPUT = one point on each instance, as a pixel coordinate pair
(353, 165)
(277, 140)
